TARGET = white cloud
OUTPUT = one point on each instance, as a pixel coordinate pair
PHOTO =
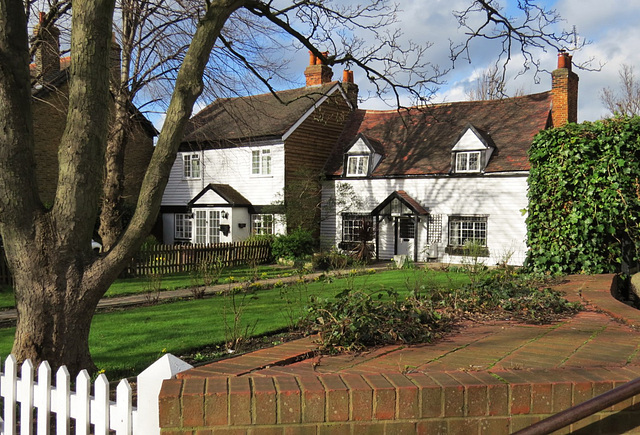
(612, 29)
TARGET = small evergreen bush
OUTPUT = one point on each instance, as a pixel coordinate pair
(294, 246)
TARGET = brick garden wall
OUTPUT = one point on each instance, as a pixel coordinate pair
(442, 402)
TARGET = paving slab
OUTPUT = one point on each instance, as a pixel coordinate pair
(592, 339)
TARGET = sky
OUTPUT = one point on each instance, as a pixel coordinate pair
(610, 27)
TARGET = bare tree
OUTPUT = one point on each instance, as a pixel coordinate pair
(534, 29)
(490, 85)
(58, 278)
(626, 101)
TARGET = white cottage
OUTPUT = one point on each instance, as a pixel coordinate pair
(238, 154)
(429, 181)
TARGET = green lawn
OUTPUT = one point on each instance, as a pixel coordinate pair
(129, 286)
(125, 342)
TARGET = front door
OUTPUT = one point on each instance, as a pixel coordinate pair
(207, 226)
(405, 236)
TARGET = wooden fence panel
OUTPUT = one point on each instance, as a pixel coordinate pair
(170, 259)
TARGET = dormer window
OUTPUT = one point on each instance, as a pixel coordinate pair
(472, 152)
(468, 161)
(357, 166)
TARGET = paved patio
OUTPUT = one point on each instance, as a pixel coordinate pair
(592, 338)
(543, 369)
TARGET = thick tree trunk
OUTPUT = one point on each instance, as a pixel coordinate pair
(53, 323)
(58, 280)
(56, 296)
(111, 225)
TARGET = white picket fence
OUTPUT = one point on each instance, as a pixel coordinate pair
(91, 413)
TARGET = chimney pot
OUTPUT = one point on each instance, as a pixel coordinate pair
(564, 60)
(317, 72)
(312, 58)
(41, 16)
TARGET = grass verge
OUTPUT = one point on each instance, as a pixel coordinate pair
(125, 342)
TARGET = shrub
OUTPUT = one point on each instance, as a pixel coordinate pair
(331, 260)
(149, 242)
(294, 246)
(356, 319)
(504, 294)
(584, 201)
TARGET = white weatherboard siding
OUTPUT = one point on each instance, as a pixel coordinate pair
(500, 197)
(230, 166)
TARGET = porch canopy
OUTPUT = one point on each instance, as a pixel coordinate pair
(398, 205)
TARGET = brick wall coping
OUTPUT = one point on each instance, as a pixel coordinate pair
(593, 290)
(485, 402)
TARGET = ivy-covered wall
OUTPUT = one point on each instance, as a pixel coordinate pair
(584, 197)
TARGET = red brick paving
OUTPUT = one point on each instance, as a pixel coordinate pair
(489, 369)
(593, 338)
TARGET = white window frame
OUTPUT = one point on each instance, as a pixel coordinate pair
(207, 226)
(261, 162)
(262, 224)
(467, 228)
(183, 226)
(352, 223)
(191, 166)
(464, 161)
(357, 165)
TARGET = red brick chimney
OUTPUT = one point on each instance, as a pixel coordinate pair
(350, 88)
(564, 91)
(48, 53)
(317, 73)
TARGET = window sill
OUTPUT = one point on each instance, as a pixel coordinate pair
(464, 252)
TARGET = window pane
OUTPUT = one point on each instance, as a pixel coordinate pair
(262, 224)
(461, 162)
(266, 162)
(352, 225)
(467, 228)
(407, 229)
(214, 227)
(474, 161)
(201, 226)
(182, 226)
(195, 166)
(352, 163)
(255, 162)
(186, 166)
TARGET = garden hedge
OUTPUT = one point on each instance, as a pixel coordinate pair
(584, 197)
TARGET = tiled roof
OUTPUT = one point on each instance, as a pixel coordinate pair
(419, 142)
(404, 197)
(228, 121)
(226, 192)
